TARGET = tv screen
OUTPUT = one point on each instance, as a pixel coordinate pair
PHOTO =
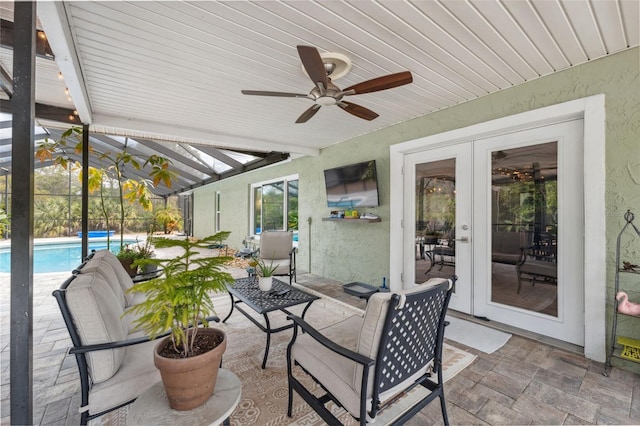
(352, 186)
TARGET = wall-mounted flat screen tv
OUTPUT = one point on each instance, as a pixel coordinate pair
(353, 186)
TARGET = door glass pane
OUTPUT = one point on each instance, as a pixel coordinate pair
(435, 252)
(524, 227)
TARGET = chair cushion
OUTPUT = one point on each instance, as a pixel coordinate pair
(375, 314)
(123, 276)
(283, 266)
(336, 371)
(106, 272)
(136, 374)
(276, 244)
(96, 313)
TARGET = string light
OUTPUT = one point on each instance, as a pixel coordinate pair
(60, 75)
(514, 174)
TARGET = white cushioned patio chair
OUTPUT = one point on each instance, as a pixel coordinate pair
(276, 247)
(114, 360)
(115, 367)
(365, 363)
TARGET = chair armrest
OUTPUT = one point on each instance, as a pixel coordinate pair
(113, 345)
(123, 343)
(146, 276)
(341, 350)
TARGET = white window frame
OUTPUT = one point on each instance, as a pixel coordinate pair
(286, 180)
(218, 213)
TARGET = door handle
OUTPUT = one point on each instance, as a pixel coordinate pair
(462, 239)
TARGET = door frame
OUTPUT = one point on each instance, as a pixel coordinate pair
(592, 110)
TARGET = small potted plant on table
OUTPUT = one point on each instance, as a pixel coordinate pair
(264, 272)
(179, 300)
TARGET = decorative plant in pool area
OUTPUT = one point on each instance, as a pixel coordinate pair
(132, 190)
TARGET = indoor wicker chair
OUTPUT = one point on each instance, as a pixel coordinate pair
(365, 363)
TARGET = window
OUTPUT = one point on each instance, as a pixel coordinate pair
(275, 205)
(217, 211)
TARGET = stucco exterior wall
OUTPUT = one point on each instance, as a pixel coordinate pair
(359, 251)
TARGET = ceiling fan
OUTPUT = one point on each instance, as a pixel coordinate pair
(326, 93)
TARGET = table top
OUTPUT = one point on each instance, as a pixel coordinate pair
(246, 289)
(152, 407)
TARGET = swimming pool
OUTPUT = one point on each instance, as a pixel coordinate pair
(57, 257)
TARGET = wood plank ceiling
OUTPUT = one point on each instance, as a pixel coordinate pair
(173, 71)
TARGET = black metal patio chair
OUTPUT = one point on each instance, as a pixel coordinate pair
(366, 364)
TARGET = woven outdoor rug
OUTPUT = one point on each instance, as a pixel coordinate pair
(264, 392)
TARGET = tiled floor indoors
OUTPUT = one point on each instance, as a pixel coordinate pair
(527, 381)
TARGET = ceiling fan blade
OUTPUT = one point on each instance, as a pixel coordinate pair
(308, 114)
(357, 110)
(281, 94)
(313, 64)
(381, 83)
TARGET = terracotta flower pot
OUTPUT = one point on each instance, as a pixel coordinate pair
(127, 265)
(189, 382)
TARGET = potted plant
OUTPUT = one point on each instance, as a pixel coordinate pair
(145, 250)
(177, 301)
(127, 256)
(264, 272)
(131, 254)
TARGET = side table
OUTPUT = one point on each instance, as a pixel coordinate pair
(153, 408)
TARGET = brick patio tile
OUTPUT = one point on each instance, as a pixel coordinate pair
(509, 386)
(55, 412)
(572, 404)
(614, 416)
(497, 414)
(559, 381)
(606, 392)
(515, 368)
(537, 410)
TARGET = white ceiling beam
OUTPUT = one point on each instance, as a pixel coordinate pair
(121, 126)
(54, 21)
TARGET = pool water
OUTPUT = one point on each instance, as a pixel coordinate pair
(61, 257)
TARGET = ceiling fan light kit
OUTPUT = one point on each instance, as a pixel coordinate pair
(322, 69)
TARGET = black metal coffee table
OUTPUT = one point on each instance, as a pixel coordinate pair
(245, 290)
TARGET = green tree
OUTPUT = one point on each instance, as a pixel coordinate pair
(112, 175)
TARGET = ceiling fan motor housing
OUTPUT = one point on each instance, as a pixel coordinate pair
(329, 96)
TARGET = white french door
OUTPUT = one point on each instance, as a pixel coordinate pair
(504, 214)
(440, 178)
